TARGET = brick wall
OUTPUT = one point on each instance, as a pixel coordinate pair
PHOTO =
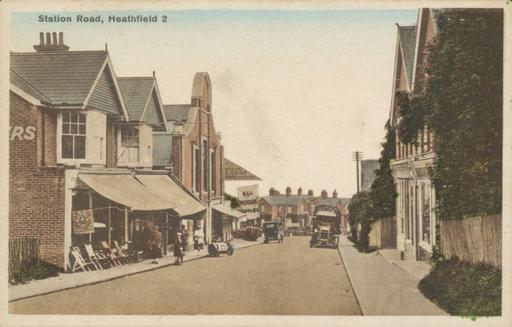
(36, 192)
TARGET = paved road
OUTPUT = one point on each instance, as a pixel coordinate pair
(272, 279)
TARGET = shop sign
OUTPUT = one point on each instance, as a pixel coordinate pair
(248, 197)
(22, 133)
(83, 221)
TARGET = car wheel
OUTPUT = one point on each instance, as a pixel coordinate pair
(230, 251)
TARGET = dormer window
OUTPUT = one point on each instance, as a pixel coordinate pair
(73, 135)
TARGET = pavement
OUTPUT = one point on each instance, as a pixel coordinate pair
(385, 286)
(288, 278)
(78, 279)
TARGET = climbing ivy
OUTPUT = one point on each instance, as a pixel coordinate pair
(464, 93)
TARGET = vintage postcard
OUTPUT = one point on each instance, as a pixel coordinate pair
(255, 163)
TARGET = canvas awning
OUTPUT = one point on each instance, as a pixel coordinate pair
(227, 210)
(183, 203)
(143, 192)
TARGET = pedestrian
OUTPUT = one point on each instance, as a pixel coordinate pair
(146, 241)
(178, 249)
(156, 244)
(184, 240)
(198, 239)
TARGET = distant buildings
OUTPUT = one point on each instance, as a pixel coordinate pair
(297, 210)
(368, 168)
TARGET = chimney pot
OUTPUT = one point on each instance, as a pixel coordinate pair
(61, 38)
(41, 38)
(288, 191)
(299, 191)
(54, 38)
(48, 38)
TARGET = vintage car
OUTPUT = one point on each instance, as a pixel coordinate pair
(272, 231)
(218, 246)
(326, 231)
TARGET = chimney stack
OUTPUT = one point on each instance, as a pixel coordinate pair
(334, 194)
(299, 191)
(324, 194)
(51, 45)
(288, 191)
(271, 191)
(310, 193)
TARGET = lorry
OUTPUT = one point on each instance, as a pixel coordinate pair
(326, 229)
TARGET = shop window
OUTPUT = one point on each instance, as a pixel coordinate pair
(205, 165)
(196, 168)
(73, 135)
(130, 143)
(213, 170)
(289, 209)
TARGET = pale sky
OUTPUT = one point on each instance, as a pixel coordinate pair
(294, 92)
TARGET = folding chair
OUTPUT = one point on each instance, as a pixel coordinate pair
(121, 253)
(95, 257)
(112, 256)
(80, 262)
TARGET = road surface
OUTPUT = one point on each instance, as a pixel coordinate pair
(272, 279)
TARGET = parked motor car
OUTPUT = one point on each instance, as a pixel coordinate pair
(273, 231)
(252, 233)
(219, 246)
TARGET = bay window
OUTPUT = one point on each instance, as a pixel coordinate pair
(73, 135)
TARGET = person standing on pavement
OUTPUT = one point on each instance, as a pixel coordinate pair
(198, 239)
(156, 244)
(184, 240)
(178, 249)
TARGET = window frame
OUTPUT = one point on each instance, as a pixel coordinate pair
(61, 120)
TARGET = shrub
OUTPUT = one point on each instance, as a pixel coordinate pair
(34, 271)
(464, 289)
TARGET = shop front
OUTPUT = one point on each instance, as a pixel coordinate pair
(124, 209)
(224, 221)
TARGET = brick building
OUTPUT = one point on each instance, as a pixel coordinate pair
(415, 207)
(70, 180)
(297, 210)
(192, 147)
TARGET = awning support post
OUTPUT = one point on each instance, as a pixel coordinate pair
(90, 207)
(109, 223)
(126, 224)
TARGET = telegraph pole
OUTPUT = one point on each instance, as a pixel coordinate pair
(357, 156)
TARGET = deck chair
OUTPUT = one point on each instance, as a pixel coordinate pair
(111, 255)
(80, 262)
(94, 256)
(123, 255)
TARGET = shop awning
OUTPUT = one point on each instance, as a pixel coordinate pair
(227, 210)
(143, 192)
(183, 203)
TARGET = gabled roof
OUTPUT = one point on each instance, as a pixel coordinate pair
(142, 100)
(234, 172)
(25, 87)
(177, 112)
(407, 39)
(65, 78)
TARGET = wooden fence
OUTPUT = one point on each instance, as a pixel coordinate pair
(383, 233)
(21, 252)
(474, 240)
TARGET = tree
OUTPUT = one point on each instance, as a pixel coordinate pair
(360, 208)
(382, 193)
(234, 201)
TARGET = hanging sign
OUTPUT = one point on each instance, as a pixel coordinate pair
(83, 221)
